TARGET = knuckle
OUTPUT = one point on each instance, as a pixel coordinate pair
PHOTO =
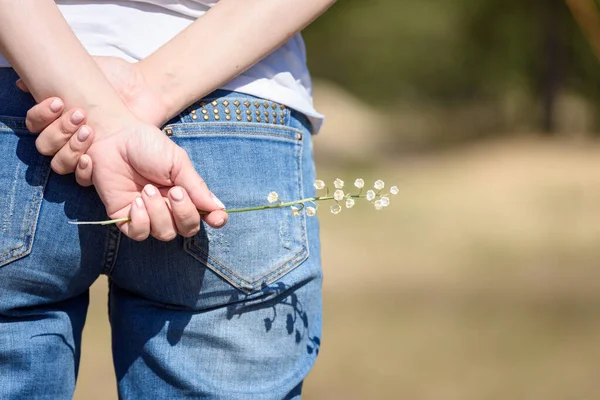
(192, 231)
(58, 168)
(166, 236)
(29, 123)
(42, 148)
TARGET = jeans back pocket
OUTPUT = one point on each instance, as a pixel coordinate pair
(242, 164)
(23, 174)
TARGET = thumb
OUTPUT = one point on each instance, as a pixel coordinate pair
(21, 85)
(187, 177)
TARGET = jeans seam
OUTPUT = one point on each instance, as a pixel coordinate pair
(113, 240)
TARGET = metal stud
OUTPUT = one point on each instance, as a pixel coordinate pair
(282, 106)
(169, 131)
(266, 113)
(206, 117)
(193, 111)
(227, 111)
(194, 116)
(249, 118)
(267, 120)
(204, 111)
(214, 103)
(282, 115)
(238, 111)
(225, 103)
(247, 103)
(266, 104)
(236, 103)
(228, 117)
(273, 106)
(202, 104)
(256, 104)
(216, 110)
(258, 119)
(248, 112)
(282, 122)
(274, 114)
(299, 136)
(257, 112)
(217, 117)
(239, 118)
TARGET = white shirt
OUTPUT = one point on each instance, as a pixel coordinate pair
(133, 29)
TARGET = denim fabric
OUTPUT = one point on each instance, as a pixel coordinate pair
(228, 314)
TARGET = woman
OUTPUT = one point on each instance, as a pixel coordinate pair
(230, 313)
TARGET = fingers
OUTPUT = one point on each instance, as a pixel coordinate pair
(43, 114)
(185, 215)
(216, 219)
(83, 172)
(187, 177)
(54, 136)
(67, 158)
(139, 226)
(21, 85)
(162, 226)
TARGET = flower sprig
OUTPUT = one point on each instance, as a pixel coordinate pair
(375, 196)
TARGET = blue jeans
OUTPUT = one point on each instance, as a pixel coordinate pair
(228, 314)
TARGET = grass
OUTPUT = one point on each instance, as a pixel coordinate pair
(480, 281)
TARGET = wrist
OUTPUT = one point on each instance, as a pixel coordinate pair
(165, 92)
(107, 122)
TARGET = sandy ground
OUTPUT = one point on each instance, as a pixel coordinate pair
(480, 281)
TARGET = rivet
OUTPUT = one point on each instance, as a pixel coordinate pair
(225, 103)
(248, 112)
(169, 131)
(274, 106)
(266, 104)
(236, 103)
(217, 117)
(227, 111)
(257, 112)
(299, 136)
(256, 104)
(282, 106)
(274, 120)
(282, 122)
(258, 119)
(204, 111)
(202, 104)
(247, 103)
(194, 116)
(238, 111)
(274, 114)
(267, 120)
(193, 111)
(266, 113)
(214, 103)
(239, 118)
(206, 117)
(249, 118)
(216, 110)
(282, 115)
(228, 117)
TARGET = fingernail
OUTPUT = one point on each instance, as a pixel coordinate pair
(220, 223)
(150, 190)
(218, 202)
(83, 162)
(83, 134)
(139, 202)
(177, 194)
(77, 117)
(56, 105)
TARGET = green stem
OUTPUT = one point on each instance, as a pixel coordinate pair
(236, 210)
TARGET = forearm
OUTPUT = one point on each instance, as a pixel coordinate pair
(49, 58)
(206, 55)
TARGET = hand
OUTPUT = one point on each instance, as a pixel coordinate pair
(135, 167)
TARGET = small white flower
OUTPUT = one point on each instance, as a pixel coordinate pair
(378, 205)
(311, 211)
(359, 183)
(349, 203)
(338, 183)
(319, 184)
(385, 201)
(336, 209)
(295, 211)
(273, 197)
(394, 190)
(338, 194)
(379, 184)
(370, 195)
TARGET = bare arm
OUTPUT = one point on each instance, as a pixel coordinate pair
(254, 29)
(46, 54)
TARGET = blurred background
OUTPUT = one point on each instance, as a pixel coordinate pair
(482, 279)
